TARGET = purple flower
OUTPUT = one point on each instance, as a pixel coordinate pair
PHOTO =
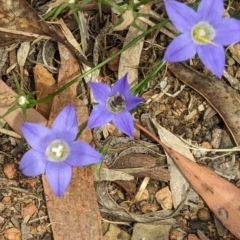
(54, 151)
(204, 32)
(113, 105)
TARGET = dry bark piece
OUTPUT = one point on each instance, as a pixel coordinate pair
(220, 96)
(76, 214)
(45, 85)
(142, 165)
(130, 58)
(113, 64)
(221, 196)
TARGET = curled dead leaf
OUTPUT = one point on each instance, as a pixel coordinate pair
(7, 99)
(127, 21)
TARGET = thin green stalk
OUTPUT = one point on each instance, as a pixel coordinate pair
(139, 88)
(67, 85)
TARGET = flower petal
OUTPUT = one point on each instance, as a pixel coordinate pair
(65, 124)
(180, 49)
(37, 136)
(124, 122)
(182, 16)
(99, 116)
(121, 86)
(213, 57)
(83, 154)
(100, 91)
(210, 10)
(33, 163)
(132, 101)
(58, 176)
(227, 31)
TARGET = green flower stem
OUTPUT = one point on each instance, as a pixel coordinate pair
(67, 85)
(114, 5)
(139, 88)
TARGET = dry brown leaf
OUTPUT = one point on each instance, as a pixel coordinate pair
(6, 99)
(130, 58)
(18, 21)
(76, 214)
(127, 21)
(45, 84)
(221, 196)
(178, 183)
(221, 97)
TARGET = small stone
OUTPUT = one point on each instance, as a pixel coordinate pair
(175, 235)
(112, 233)
(150, 231)
(105, 226)
(34, 231)
(6, 200)
(29, 209)
(164, 198)
(206, 145)
(192, 237)
(10, 170)
(41, 228)
(13, 234)
(31, 181)
(203, 214)
(125, 235)
(149, 207)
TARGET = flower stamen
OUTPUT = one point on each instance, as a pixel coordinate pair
(116, 103)
(203, 33)
(208, 41)
(57, 151)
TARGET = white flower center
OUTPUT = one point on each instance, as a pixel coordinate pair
(116, 103)
(22, 100)
(203, 33)
(57, 151)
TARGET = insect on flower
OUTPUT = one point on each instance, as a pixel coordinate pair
(54, 151)
(204, 32)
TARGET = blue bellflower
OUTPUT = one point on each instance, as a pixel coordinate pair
(54, 151)
(113, 105)
(204, 32)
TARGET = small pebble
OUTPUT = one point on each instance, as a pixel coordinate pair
(176, 235)
(192, 237)
(10, 170)
(203, 214)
